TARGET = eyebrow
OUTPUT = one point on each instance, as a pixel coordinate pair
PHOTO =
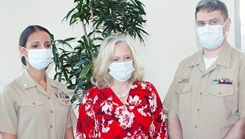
(213, 19)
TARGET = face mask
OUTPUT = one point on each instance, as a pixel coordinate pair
(211, 37)
(121, 71)
(40, 58)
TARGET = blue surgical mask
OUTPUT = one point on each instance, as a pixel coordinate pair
(121, 71)
(211, 36)
(40, 58)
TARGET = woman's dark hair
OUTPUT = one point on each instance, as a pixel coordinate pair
(26, 33)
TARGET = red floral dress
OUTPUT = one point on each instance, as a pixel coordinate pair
(103, 116)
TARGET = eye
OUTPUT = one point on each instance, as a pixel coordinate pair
(34, 46)
(48, 46)
(201, 24)
(115, 59)
(127, 58)
(213, 22)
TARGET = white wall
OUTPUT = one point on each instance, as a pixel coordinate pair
(170, 25)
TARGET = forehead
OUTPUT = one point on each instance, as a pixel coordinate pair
(121, 48)
(38, 35)
(206, 15)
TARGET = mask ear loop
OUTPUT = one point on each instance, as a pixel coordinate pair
(26, 53)
(26, 56)
(223, 27)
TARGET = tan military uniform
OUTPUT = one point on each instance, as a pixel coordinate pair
(32, 113)
(209, 102)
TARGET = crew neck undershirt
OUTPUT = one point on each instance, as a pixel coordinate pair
(209, 61)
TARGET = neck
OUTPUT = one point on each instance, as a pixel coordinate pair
(120, 87)
(120, 84)
(39, 76)
(214, 53)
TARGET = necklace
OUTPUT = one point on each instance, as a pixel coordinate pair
(122, 95)
(125, 94)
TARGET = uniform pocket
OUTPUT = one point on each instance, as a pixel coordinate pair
(32, 112)
(183, 93)
(220, 98)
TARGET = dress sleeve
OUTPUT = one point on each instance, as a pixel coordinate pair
(159, 117)
(8, 114)
(86, 122)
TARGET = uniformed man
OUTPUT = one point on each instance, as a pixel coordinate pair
(206, 99)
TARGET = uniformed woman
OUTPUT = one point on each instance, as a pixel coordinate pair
(33, 106)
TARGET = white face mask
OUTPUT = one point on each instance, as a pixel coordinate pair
(121, 71)
(40, 58)
(211, 36)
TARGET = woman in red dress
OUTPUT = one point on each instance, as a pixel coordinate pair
(120, 105)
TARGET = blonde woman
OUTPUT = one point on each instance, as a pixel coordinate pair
(120, 105)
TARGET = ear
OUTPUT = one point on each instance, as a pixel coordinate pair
(22, 51)
(227, 25)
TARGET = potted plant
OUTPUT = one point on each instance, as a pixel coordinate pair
(99, 18)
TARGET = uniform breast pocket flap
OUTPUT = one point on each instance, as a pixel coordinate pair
(183, 94)
(31, 103)
(183, 88)
(221, 90)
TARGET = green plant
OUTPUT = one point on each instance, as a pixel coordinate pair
(99, 19)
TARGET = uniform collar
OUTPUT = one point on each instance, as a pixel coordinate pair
(196, 59)
(29, 82)
(223, 60)
(225, 56)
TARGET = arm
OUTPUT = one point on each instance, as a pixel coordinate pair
(237, 131)
(69, 133)
(8, 136)
(174, 126)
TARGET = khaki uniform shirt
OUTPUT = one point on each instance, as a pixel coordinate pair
(32, 113)
(208, 102)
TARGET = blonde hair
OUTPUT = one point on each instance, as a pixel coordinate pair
(101, 77)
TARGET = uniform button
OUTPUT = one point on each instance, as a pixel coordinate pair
(200, 93)
(51, 126)
(51, 111)
(25, 85)
(195, 126)
(33, 103)
(198, 109)
(219, 93)
(48, 97)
